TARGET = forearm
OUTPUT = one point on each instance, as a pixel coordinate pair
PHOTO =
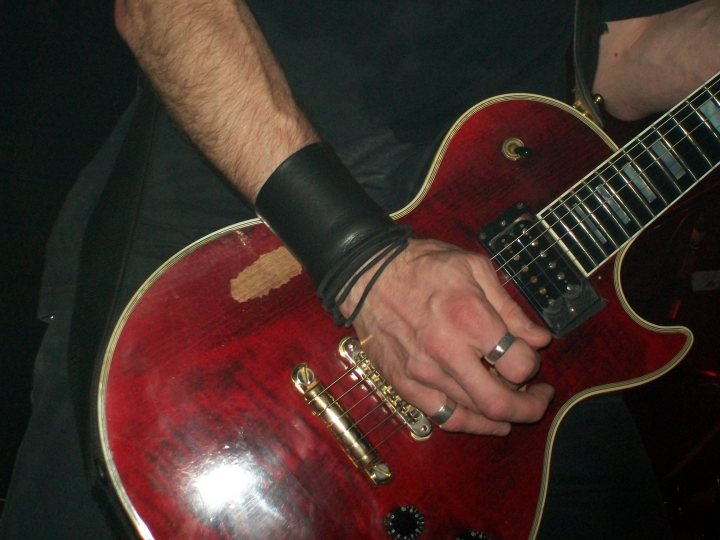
(216, 74)
(647, 65)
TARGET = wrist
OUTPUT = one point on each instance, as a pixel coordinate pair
(330, 224)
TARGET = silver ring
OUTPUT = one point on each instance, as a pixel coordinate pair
(501, 348)
(444, 413)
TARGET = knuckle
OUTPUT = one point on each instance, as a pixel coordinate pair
(510, 310)
(519, 368)
(467, 311)
(434, 343)
(483, 264)
(498, 409)
(419, 371)
(502, 430)
(462, 311)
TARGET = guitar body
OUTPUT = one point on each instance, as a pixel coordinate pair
(205, 436)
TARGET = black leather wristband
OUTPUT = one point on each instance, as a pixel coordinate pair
(327, 220)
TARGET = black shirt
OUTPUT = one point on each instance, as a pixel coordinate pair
(382, 81)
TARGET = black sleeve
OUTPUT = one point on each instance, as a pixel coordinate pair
(614, 10)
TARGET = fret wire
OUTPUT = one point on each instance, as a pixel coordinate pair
(567, 230)
(712, 119)
(592, 214)
(692, 139)
(556, 239)
(628, 184)
(670, 151)
(706, 118)
(660, 165)
(708, 111)
(609, 200)
(643, 176)
(601, 205)
(596, 242)
(650, 153)
(703, 90)
(583, 228)
(715, 82)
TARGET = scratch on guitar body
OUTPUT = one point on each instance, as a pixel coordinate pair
(270, 271)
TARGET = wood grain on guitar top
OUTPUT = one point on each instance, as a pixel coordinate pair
(204, 434)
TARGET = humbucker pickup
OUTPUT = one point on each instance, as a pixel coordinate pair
(537, 263)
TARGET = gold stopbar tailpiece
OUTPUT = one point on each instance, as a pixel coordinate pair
(351, 438)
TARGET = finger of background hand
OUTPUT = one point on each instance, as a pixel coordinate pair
(518, 323)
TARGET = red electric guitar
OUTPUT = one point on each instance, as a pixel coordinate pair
(230, 406)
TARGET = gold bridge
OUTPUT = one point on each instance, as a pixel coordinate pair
(352, 439)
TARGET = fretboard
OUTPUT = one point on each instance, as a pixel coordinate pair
(617, 200)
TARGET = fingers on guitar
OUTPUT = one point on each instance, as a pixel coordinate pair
(519, 363)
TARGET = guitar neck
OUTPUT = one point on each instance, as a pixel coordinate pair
(610, 206)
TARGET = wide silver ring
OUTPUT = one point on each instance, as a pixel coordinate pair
(501, 348)
(444, 413)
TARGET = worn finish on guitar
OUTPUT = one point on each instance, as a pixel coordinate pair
(204, 435)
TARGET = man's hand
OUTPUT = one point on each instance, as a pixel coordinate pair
(428, 321)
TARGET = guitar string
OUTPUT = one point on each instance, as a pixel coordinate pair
(359, 401)
(378, 424)
(390, 435)
(336, 400)
(327, 388)
(346, 412)
(634, 145)
(388, 417)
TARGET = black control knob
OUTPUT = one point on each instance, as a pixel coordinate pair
(404, 523)
(472, 535)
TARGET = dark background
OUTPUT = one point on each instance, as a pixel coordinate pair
(65, 77)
